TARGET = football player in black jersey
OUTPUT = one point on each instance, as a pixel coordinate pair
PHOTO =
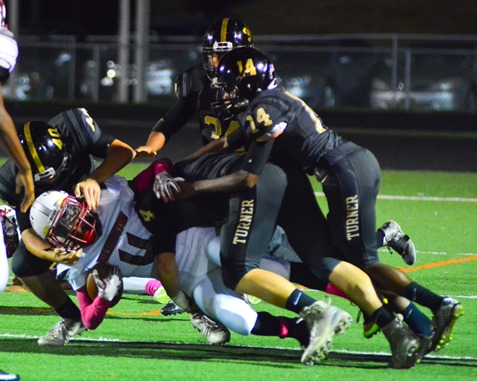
(194, 91)
(279, 127)
(196, 95)
(60, 153)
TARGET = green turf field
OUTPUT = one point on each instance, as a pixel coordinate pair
(439, 212)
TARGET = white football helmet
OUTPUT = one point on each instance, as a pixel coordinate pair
(62, 220)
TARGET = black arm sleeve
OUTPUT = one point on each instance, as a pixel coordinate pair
(175, 118)
(257, 157)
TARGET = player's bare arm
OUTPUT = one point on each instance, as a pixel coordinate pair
(42, 249)
(118, 156)
(154, 143)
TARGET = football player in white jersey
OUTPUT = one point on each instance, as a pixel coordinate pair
(117, 236)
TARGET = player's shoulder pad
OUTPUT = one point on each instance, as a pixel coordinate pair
(190, 82)
(85, 119)
(77, 119)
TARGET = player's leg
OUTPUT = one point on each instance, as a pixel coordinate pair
(244, 239)
(230, 309)
(351, 186)
(36, 275)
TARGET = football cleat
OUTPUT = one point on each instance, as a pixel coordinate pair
(9, 376)
(324, 322)
(213, 331)
(424, 346)
(171, 309)
(405, 345)
(62, 332)
(395, 239)
(370, 329)
(443, 323)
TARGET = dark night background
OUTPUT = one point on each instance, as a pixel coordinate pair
(268, 17)
(262, 16)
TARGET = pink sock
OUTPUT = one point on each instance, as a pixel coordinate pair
(334, 290)
(283, 328)
(152, 286)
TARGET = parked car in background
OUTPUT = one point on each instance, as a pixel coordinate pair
(383, 72)
(426, 82)
(428, 75)
(336, 75)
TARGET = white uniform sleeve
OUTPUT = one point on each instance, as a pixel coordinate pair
(8, 49)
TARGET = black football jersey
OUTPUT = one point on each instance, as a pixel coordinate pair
(84, 138)
(195, 96)
(166, 220)
(278, 126)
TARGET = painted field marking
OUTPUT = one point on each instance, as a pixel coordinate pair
(418, 198)
(110, 340)
(439, 264)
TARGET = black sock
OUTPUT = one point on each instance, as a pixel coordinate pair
(419, 323)
(282, 327)
(266, 325)
(69, 310)
(423, 296)
(379, 239)
(382, 317)
(298, 300)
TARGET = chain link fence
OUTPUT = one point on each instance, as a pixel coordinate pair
(379, 72)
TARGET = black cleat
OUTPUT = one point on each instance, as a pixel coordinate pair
(171, 309)
(9, 376)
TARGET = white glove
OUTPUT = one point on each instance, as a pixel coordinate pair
(8, 49)
(108, 286)
(165, 185)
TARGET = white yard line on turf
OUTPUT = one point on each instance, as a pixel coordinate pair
(102, 339)
(418, 198)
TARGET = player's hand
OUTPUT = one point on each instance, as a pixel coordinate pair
(108, 286)
(90, 190)
(67, 257)
(24, 183)
(165, 186)
(145, 152)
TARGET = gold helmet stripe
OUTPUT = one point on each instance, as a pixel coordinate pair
(223, 30)
(32, 149)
